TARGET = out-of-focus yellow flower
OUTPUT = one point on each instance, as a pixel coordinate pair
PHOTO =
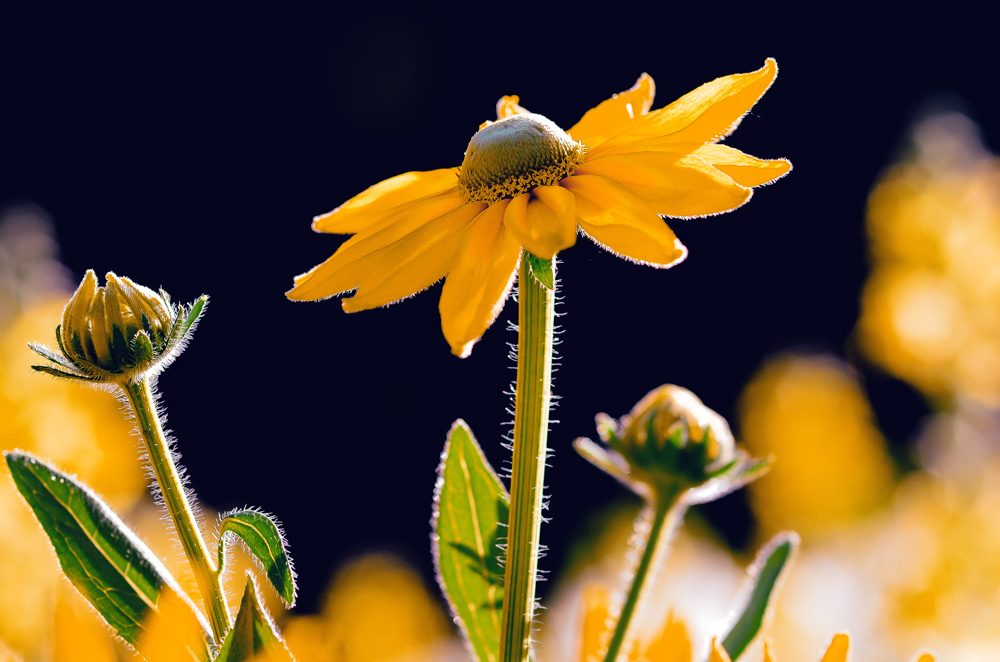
(931, 309)
(79, 430)
(79, 634)
(830, 460)
(526, 183)
(377, 610)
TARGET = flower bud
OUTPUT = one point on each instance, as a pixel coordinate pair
(671, 441)
(118, 333)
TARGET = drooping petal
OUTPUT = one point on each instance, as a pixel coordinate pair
(706, 114)
(925, 657)
(672, 643)
(367, 208)
(610, 116)
(508, 107)
(680, 185)
(718, 653)
(622, 223)
(355, 258)
(543, 220)
(479, 280)
(415, 262)
(839, 647)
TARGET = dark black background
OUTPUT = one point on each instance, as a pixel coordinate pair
(188, 145)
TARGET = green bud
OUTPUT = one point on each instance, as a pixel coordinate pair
(671, 441)
(118, 333)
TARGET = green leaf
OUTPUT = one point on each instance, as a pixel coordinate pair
(263, 538)
(253, 633)
(542, 270)
(470, 505)
(764, 575)
(117, 573)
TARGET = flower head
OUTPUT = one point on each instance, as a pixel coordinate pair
(525, 184)
(118, 333)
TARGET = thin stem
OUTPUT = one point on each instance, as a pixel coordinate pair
(536, 314)
(667, 509)
(140, 396)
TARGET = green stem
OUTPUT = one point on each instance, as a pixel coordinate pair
(140, 396)
(667, 510)
(536, 314)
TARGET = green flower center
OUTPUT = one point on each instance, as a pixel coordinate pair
(514, 155)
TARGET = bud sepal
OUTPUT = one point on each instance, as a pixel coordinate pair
(119, 333)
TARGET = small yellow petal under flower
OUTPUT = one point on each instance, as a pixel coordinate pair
(620, 222)
(609, 117)
(479, 280)
(414, 263)
(679, 185)
(839, 648)
(672, 643)
(363, 210)
(543, 220)
(595, 633)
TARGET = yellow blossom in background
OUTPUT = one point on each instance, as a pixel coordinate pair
(377, 610)
(831, 465)
(526, 183)
(79, 429)
(931, 308)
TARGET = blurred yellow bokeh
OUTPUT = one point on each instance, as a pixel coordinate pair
(831, 465)
(931, 308)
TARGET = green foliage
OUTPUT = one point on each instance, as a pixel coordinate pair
(117, 573)
(542, 270)
(263, 538)
(764, 575)
(253, 633)
(470, 505)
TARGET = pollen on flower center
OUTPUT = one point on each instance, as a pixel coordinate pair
(514, 155)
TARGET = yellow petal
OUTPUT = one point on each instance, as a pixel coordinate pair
(609, 117)
(767, 650)
(79, 634)
(839, 647)
(680, 185)
(75, 312)
(719, 653)
(414, 263)
(353, 261)
(366, 208)
(925, 657)
(543, 220)
(620, 222)
(672, 643)
(706, 114)
(479, 279)
(508, 107)
(744, 169)
(595, 633)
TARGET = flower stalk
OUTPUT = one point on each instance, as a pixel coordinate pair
(663, 515)
(536, 315)
(207, 574)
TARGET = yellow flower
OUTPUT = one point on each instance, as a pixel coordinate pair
(526, 183)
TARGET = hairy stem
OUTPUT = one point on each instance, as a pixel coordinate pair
(140, 396)
(536, 315)
(661, 518)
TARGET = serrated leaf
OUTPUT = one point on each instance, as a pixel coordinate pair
(254, 636)
(542, 270)
(111, 567)
(765, 572)
(470, 509)
(263, 538)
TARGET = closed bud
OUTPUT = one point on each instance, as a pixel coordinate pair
(671, 441)
(120, 332)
